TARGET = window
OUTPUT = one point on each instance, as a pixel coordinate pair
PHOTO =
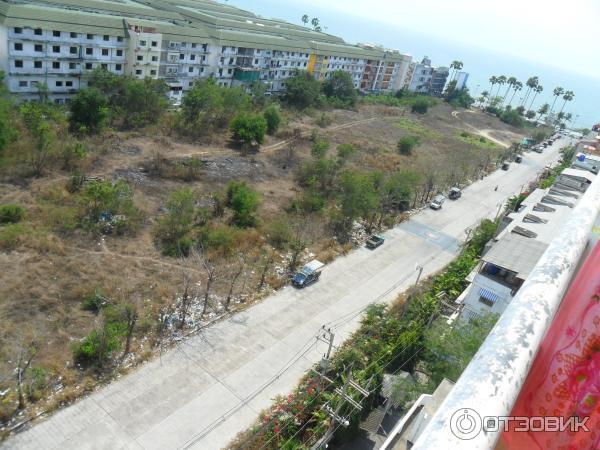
(140, 57)
(191, 70)
(485, 301)
(223, 49)
(142, 43)
(34, 83)
(193, 57)
(154, 44)
(256, 61)
(119, 38)
(229, 71)
(37, 31)
(202, 70)
(56, 33)
(153, 72)
(89, 66)
(106, 37)
(118, 66)
(56, 65)
(73, 35)
(73, 50)
(22, 83)
(119, 52)
(37, 64)
(56, 48)
(90, 36)
(38, 48)
(89, 51)
(181, 56)
(104, 66)
(104, 52)
(155, 58)
(191, 83)
(68, 83)
(18, 30)
(138, 72)
(18, 46)
(72, 66)
(59, 84)
(193, 46)
(18, 63)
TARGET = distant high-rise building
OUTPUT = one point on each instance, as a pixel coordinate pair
(461, 80)
(427, 79)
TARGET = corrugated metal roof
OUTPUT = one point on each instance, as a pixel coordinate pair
(516, 253)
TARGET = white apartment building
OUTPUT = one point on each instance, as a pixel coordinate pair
(58, 42)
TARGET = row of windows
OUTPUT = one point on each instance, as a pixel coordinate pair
(141, 58)
(58, 83)
(72, 35)
(18, 64)
(18, 46)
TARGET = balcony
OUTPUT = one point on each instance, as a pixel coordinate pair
(513, 375)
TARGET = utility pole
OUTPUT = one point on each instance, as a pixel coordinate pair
(420, 269)
(336, 418)
(326, 336)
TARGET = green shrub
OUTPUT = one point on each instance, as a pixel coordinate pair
(339, 86)
(11, 236)
(420, 106)
(273, 118)
(279, 233)
(248, 130)
(244, 202)
(95, 301)
(319, 149)
(302, 90)
(11, 213)
(345, 151)
(323, 120)
(406, 144)
(89, 111)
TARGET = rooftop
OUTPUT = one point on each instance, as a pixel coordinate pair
(516, 253)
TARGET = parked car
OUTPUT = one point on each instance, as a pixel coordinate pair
(538, 149)
(454, 193)
(437, 202)
(308, 274)
(544, 144)
(375, 241)
(505, 165)
(519, 159)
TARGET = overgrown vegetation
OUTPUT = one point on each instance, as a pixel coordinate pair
(390, 339)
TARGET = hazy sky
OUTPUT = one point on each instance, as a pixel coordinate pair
(564, 34)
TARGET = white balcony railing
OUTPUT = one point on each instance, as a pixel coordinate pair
(492, 381)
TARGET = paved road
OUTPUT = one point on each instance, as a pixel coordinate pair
(201, 394)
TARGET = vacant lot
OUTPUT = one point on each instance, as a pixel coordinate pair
(48, 267)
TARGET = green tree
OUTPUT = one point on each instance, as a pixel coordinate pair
(244, 202)
(510, 82)
(38, 121)
(103, 202)
(543, 110)
(358, 197)
(302, 90)
(273, 118)
(345, 152)
(530, 114)
(406, 144)
(341, 87)
(248, 130)
(305, 19)
(537, 90)
(567, 97)
(11, 213)
(516, 87)
(173, 229)
(89, 111)
(142, 102)
(319, 149)
(532, 83)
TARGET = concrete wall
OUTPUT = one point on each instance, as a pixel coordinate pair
(472, 303)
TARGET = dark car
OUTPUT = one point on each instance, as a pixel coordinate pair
(375, 241)
(308, 274)
(455, 193)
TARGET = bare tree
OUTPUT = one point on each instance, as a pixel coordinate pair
(27, 352)
(266, 261)
(239, 269)
(183, 302)
(203, 260)
(130, 316)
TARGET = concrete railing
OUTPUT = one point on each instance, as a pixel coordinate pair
(492, 381)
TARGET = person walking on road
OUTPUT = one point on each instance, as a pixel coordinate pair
(496, 188)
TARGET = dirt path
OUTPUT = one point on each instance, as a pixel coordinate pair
(486, 133)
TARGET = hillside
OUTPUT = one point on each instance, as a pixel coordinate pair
(59, 278)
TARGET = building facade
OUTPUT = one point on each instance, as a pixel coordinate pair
(57, 43)
(427, 79)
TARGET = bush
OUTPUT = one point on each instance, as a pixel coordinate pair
(173, 228)
(11, 213)
(248, 130)
(302, 90)
(279, 233)
(420, 106)
(89, 111)
(95, 301)
(341, 87)
(323, 120)
(319, 149)
(345, 151)
(273, 118)
(11, 236)
(244, 202)
(513, 118)
(406, 144)
(108, 207)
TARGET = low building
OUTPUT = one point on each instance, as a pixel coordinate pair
(525, 234)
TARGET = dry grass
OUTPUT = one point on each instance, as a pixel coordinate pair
(52, 267)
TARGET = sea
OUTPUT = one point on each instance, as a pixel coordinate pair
(479, 62)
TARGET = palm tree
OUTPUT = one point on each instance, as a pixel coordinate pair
(569, 95)
(456, 65)
(568, 117)
(305, 19)
(558, 91)
(543, 110)
(510, 83)
(531, 83)
(517, 87)
(483, 98)
(501, 82)
(493, 82)
(314, 22)
(539, 88)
